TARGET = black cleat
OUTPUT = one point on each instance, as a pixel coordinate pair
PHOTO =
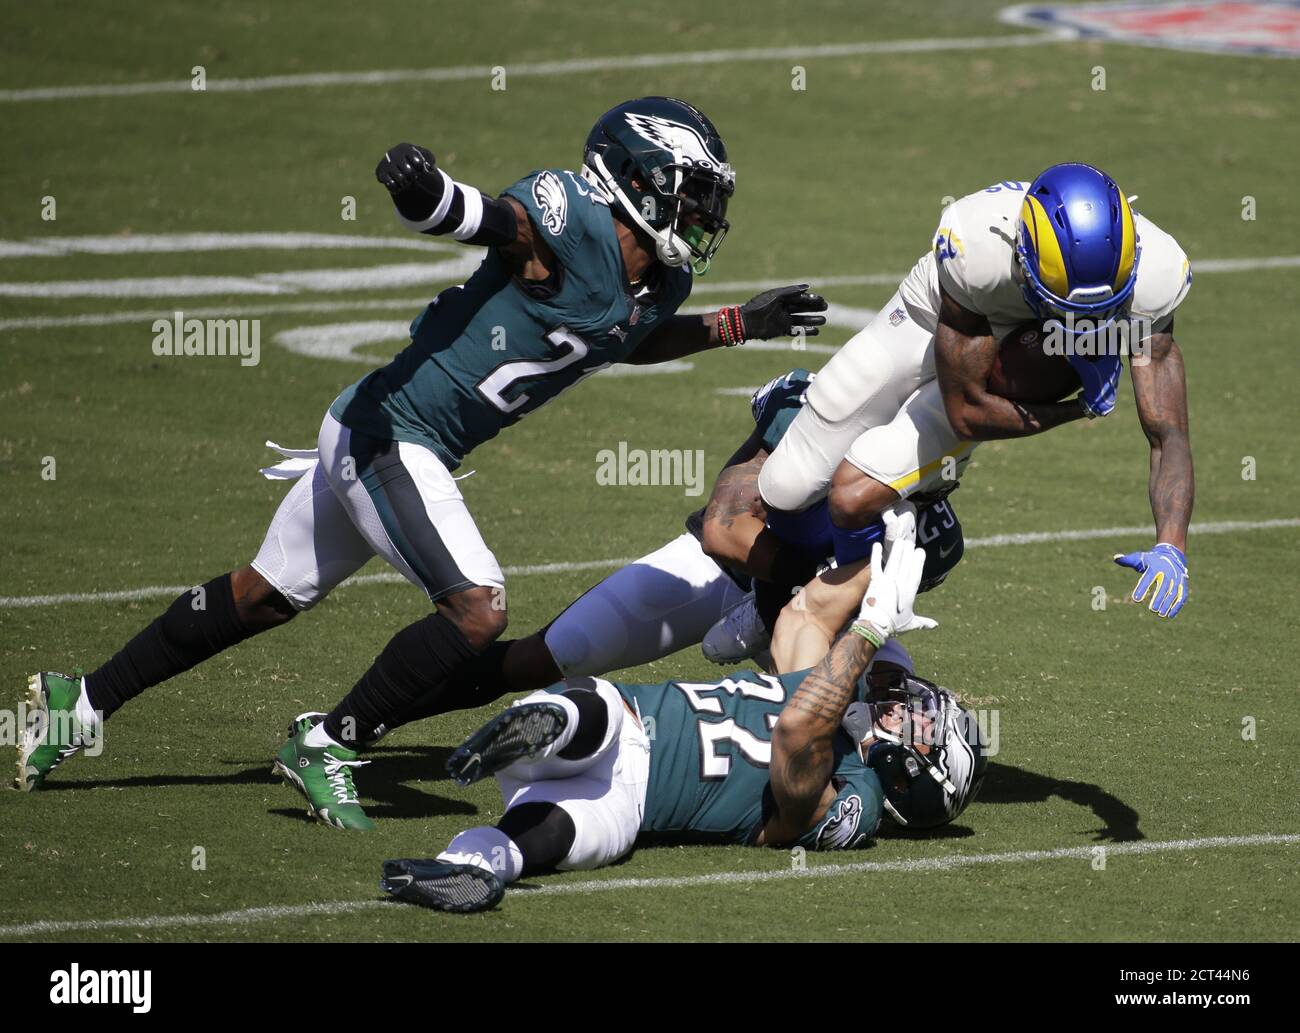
(521, 731)
(442, 886)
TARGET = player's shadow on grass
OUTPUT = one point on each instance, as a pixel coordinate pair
(252, 775)
(384, 788)
(889, 830)
(394, 766)
(1007, 784)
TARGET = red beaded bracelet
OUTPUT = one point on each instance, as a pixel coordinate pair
(731, 326)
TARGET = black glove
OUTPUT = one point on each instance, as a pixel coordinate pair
(780, 312)
(407, 168)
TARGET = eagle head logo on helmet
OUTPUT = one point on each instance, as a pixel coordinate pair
(663, 168)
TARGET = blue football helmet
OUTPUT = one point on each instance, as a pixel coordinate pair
(1078, 250)
(1078, 247)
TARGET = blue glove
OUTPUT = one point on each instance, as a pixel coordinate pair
(1164, 575)
(1100, 382)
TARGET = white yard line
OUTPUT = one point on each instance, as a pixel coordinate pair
(187, 243)
(147, 316)
(1207, 527)
(534, 69)
(389, 277)
(407, 274)
(942, 863)
(11, 602)
(293, 281)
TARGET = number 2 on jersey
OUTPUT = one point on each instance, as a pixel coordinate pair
(715, 765)
(497, 385)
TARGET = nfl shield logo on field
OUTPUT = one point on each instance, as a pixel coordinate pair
(1270, 27)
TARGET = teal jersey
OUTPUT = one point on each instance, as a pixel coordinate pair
(710, 748)
(777, 403)
(485, 354)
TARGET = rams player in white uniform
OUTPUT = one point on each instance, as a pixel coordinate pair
(899, 409)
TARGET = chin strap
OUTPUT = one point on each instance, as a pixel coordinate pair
(671, 250)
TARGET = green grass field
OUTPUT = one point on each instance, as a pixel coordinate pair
(1116, 729)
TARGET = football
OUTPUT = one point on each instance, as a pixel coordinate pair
(1024, 372)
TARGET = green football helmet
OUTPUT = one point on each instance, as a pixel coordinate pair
(935, 766)
(662, 166)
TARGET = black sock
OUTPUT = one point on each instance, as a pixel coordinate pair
(593, 723)
(477, 683)
(198, 625)
(419, 660)
(543, 832)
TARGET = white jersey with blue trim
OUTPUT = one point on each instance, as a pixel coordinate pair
(973, 258)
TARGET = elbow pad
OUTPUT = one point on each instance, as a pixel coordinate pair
(460, 211)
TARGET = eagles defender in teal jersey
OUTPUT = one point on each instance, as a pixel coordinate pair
(583, 269)
(669, 598)
(591, 767)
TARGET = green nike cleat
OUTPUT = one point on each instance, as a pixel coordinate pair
(50, 733)
(323, 774)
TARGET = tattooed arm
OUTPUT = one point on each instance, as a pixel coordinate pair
(735, 531)
(964, 353)
(803, 750)
(1161, 392)
(803, 753)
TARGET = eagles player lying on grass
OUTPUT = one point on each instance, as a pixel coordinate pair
(670, 598)
(582, 270)
(590, 768)
(899, 409)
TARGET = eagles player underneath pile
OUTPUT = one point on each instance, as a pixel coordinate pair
(898, 410)
(671, 597)
(582, 270)
(589, 768)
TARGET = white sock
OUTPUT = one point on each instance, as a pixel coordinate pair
(570, 723)
(85, 712)
(530, 769)
(488, 848)
(317, 738)
(548, 763)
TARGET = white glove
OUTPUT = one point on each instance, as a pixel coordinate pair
(887, 606)
(900, 522)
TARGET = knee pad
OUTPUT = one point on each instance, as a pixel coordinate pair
(594, 719)
(543, 832)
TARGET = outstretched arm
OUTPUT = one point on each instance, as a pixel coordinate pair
(803, 752)
(964, 352)
(677, 337)
(1161, 391)
(1160, 387)
(810, 621)
(776, 313)
(430, 201)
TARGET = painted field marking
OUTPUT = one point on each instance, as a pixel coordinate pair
(13, 602)
(945, 863)
(534, 69)
(395, 276)
(194, 243)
